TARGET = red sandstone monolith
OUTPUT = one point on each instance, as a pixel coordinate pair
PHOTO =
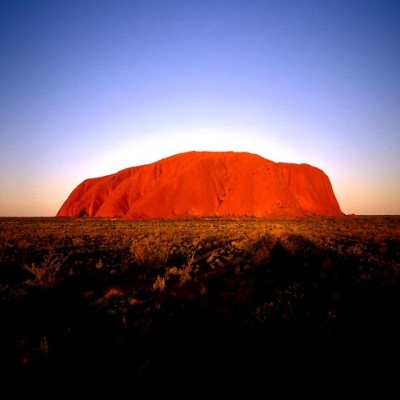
(206, 184)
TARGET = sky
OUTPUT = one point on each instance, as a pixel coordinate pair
(90, 87)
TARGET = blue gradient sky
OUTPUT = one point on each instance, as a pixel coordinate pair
(91, 87)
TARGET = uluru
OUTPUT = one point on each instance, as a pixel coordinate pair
(206, 184)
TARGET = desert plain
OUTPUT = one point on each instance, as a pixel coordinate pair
(200, 308)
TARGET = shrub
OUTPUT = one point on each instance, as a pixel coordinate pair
(159, 284)
(46, 274)
(150, 252)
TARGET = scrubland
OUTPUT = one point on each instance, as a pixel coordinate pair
(207, 308)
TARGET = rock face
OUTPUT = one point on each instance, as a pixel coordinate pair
(201, 184)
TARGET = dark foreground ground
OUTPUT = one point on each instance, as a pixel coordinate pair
(200, 309)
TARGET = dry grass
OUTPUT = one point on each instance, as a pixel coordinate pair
(47, 272)
(111, 305)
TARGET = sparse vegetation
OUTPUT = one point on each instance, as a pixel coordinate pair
(208, 308)
(46, 273)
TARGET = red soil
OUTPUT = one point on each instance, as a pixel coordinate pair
(204, 184)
